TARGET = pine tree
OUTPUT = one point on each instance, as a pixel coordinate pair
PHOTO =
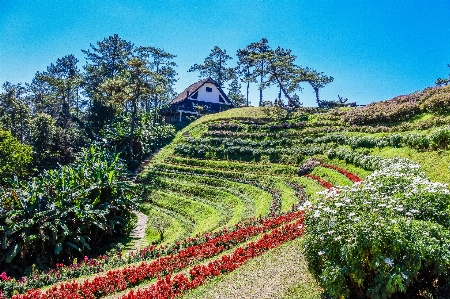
(234, 93)
(215, 66)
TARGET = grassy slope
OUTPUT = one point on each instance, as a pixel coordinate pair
(283, 268)
(293, 281)
(279, 273)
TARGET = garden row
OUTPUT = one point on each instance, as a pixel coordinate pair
(193, 252)
(436, 139)
(329, 126)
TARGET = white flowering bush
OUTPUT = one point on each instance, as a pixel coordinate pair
(388, 235)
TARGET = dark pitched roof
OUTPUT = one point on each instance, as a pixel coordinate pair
(196, 86)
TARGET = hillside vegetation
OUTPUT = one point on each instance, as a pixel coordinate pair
(357, 193)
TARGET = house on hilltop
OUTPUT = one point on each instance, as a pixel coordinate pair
(205, 93)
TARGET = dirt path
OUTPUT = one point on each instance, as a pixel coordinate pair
(138, 233)
(272, 275)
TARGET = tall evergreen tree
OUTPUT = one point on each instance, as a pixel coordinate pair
(14, 111)
(245, 69)
(133, 85)
(63, 80)
(104, 61)
(234, 93)
(258, 58)
(161, 63)
(317, 81)
(215, 66)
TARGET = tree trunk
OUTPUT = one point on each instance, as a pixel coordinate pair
(282, 89)
(133, 120)
(316, 90)
(248, 86)
(260, 91)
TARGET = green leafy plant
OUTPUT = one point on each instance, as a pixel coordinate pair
(386, 236)
(63, 213)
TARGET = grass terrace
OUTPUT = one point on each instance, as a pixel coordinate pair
(308, 203)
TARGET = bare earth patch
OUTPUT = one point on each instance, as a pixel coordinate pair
(280, 273)
(138, 233)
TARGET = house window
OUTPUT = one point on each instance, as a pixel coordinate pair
(208, 89)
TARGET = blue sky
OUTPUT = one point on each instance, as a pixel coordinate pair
(375, 50)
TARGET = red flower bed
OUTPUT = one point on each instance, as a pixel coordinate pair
(349, 175)
(169, 287)
(118, 280)
(322, 182)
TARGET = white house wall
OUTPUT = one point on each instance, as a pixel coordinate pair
(204, 96)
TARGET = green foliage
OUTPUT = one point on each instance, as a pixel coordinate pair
(234, 93)
(215, 66)
(44, 134)
(438, 102)
(65, 212)
(15, 157)
(148, 137)
(14, 110)
(386, 236)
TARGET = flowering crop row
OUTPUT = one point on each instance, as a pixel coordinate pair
(321, 181)
(439, 138)
(348, 174)
(299, 192)
(400, 108)
(287, 155)
(90, 266)
(117, 280)
(169, 287)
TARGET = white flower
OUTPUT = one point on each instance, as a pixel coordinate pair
(389, 261)
(321, 252)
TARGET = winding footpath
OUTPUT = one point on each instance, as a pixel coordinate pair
(138, 233)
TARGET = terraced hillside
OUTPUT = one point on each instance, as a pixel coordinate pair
(233, 185)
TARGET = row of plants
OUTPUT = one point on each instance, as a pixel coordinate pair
(219, 180)
(65, 213)
(330, 127)
(199, 275)
(348, 174)
(229, 142)
(255, 196)
(258, 127)
(367, 162)
(246, 153)
(257, 168)
(434, 100)
(177, 257)
(86, 266)
(385, 237)
(319, 180)
(437, 139)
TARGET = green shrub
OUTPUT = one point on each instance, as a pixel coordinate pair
(15, 157)
(415, 140)
(63, 213)
(438, 102)
(389, 235)
(440, 138)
